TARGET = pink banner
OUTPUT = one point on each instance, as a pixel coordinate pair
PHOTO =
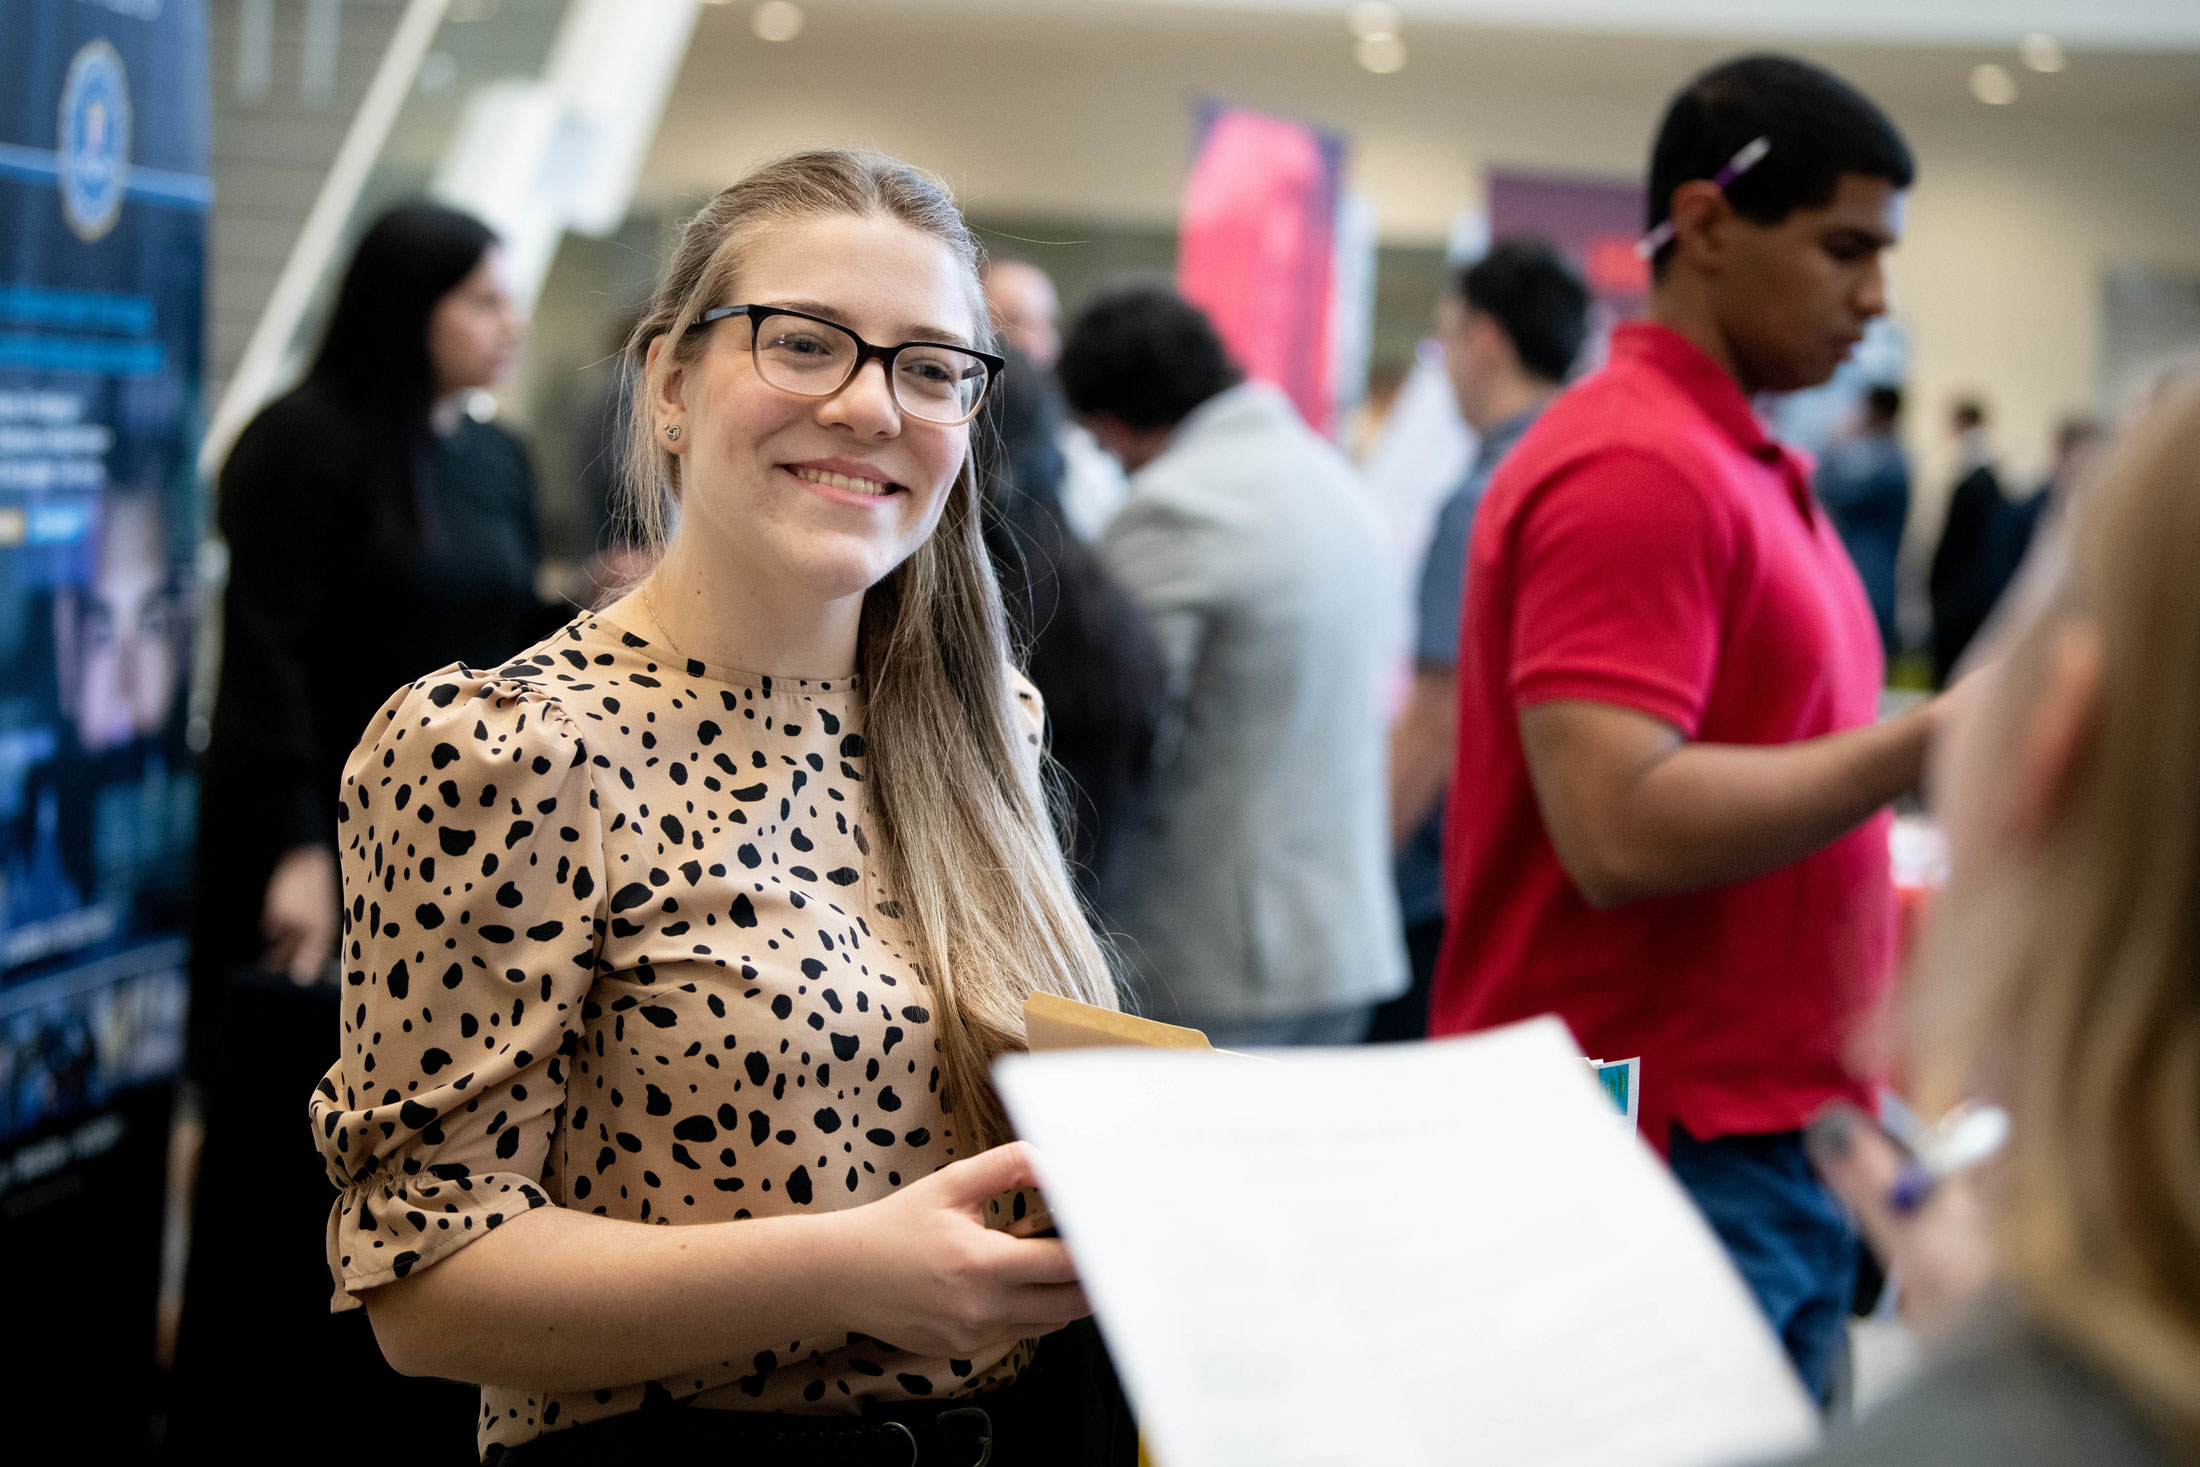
(1257, 245)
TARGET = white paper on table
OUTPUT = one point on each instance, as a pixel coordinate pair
(1400, 1256)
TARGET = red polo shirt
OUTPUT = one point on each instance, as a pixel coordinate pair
(1648, 545)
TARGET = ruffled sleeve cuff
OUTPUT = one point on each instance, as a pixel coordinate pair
(392, 1224)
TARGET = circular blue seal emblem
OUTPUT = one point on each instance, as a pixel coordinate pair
(95, 140)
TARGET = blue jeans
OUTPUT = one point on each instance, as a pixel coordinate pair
(1787, 1236)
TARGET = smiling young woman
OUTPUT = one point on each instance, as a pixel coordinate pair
(713, 909)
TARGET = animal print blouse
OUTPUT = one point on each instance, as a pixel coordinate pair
(616, 940)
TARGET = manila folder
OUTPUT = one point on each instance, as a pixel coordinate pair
(1052, 1022)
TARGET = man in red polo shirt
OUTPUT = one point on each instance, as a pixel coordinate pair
(1669, 823)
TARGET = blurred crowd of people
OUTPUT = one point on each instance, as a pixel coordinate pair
(1613, 749)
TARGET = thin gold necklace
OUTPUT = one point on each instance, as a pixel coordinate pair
(651, 608)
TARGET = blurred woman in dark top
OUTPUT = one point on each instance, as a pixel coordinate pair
(1087, 646)
(376, 531)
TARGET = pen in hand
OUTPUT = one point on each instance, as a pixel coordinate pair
(1966, 1137)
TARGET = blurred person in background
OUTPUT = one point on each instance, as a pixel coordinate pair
(376, 530)
(1025, 310)
(2078, 443)
(1256, 900)
(2062, 982)
(1385, 380)
(1668, 818)
(1982, 541)
(1864, 483)
(1086, 645)
(1026, 313)
(1511, 327)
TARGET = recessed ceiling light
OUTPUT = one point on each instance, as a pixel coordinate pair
(2042, 52)
(1993, 84)
(1382, 55)
(1371, 18)
(777, 20)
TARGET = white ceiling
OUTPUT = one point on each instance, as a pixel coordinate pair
(2108, 24)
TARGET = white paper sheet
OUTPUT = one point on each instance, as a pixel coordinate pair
(1398, 1256)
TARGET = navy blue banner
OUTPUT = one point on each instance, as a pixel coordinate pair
(103, 213)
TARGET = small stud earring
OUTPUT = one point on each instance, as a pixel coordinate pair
(672, 430)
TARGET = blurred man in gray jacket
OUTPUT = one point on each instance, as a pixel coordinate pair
(1256, 900)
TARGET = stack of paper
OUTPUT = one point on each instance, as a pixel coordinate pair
(1429, 1254)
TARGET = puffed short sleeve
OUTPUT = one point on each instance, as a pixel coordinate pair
(471, 853)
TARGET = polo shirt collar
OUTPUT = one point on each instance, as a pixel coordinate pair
(1716, 395)
(1691, 369)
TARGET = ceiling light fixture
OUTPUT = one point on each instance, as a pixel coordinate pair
(1993, 85)
(2042, 52)
(777, 20)
(1383, 55)
(1372, 18)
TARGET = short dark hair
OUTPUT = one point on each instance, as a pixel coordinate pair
(1819, 127)
(1143, 354)
(1536, 298)
(1884, 402)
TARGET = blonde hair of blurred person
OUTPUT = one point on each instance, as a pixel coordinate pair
(2071, 942)
(987, 892)
(2063, 971)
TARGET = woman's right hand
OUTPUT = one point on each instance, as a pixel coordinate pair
(301, 914)
(926, 1275)
(1938, 1251)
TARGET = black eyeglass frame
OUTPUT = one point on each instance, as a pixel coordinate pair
(865, 351)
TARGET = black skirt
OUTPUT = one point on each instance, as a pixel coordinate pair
(1065, 1410)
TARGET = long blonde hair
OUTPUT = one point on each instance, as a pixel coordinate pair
(2072, 989)
(969, 848)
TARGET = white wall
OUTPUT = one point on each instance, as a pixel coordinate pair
(2008, 242)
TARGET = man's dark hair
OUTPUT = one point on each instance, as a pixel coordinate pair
(1536, 298)
(1884, 403)
(1819, 127)
(1143, 354)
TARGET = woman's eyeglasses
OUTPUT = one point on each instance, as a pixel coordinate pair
(813, 357)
